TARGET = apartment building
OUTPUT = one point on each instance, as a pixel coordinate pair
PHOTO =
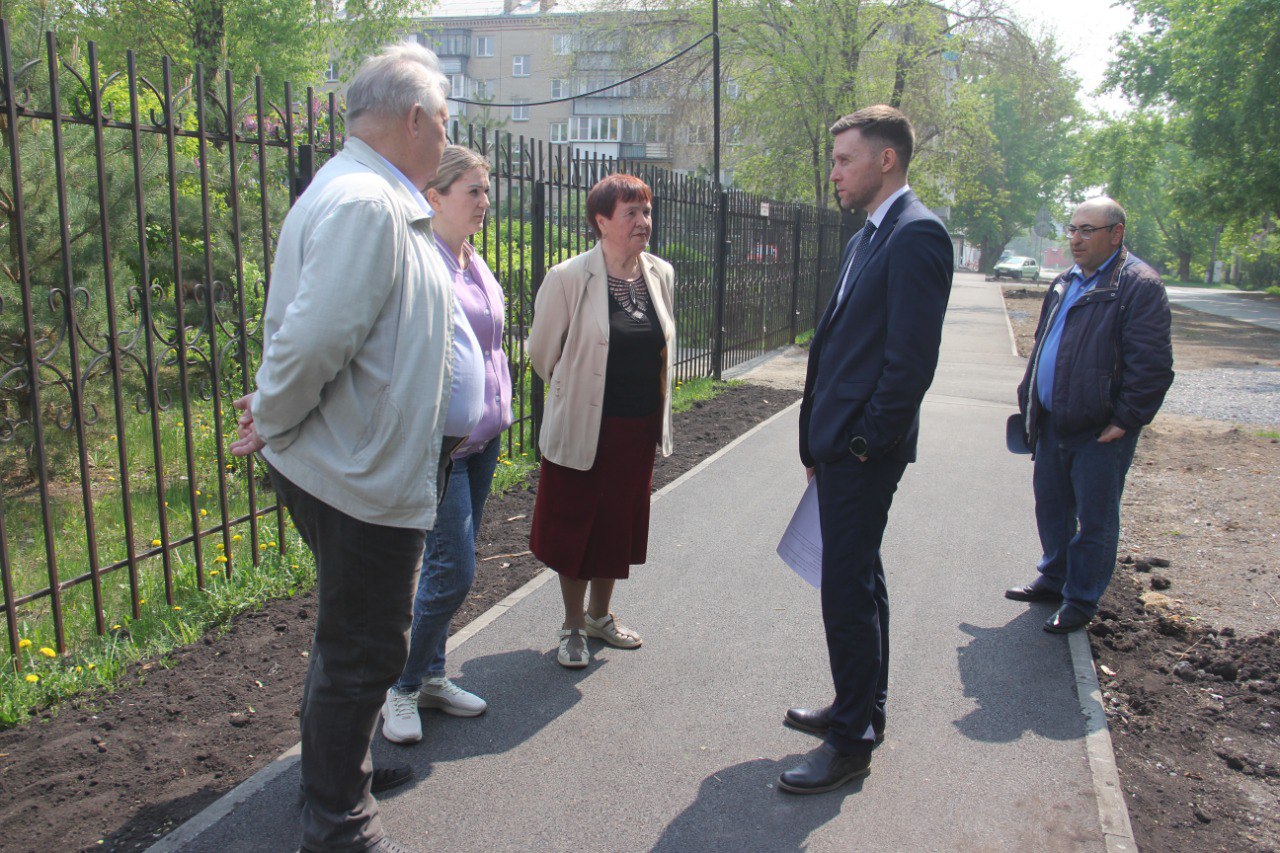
(523, 52)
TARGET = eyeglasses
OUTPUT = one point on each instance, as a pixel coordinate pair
(1086, 232)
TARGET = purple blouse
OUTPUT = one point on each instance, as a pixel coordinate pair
(480, 296)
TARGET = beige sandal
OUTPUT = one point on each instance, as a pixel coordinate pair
(611, 632)
(573, 653)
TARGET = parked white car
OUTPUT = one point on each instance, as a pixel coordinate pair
(1022, 269)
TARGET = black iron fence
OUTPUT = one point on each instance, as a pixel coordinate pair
(139, 220)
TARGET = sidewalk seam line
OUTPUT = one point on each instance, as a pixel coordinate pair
(227, 803)
(1113, 813)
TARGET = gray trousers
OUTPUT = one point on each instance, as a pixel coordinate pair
(366, 575)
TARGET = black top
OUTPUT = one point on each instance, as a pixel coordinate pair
(633, 377)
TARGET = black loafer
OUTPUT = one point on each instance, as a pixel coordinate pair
(1066, 620)
(1033, 592)
(814, 722)
(818, 722)
(825, 769)
(386, 778)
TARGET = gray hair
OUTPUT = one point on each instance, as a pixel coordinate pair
(1109, 207)
(392, 82)
(456, 161)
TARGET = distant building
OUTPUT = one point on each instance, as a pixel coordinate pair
(522, 53)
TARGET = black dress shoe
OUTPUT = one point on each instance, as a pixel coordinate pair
(825, 769)
(818, 722)
(814, 722)
(386, 778)
(1034, 591)
(1066, 620)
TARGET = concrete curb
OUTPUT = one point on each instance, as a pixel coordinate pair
(228, 802)
(1113, 814)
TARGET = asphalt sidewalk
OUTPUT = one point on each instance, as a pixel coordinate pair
(677, 746)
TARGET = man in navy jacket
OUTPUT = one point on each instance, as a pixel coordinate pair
(872, 359)
(1102, 363)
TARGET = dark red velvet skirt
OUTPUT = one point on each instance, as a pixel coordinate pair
(595, 524)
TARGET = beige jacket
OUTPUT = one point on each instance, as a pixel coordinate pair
(569, 347)
(356, 368)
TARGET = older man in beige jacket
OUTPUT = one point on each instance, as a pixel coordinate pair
(349, 414)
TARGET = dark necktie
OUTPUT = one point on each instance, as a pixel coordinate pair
(859, 258)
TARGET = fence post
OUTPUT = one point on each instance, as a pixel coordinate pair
(306, 171)
(539, 253)
(721, 261)
(795, 272)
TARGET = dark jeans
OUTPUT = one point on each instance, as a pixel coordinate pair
(365, 577)
(853, 509)
(1078, 489)
(449, 566)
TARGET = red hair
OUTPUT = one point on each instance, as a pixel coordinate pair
(605, 195)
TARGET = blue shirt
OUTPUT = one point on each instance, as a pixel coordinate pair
(1077, 285)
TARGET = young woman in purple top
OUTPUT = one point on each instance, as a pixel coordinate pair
(459, 196)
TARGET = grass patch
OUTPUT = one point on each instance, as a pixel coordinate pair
(694, 390)
(42, 678)
(1268, 433)
(804, 338)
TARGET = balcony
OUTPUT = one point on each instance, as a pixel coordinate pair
(645, 151)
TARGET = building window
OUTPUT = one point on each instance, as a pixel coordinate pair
(641, 130)
(331, 73)
(559, 88)
(520, 65)
(520, 112)
(562, 44)
(596, 129)
(482, 90)
(698, 134)
(731, 90)
(484, 45)
(457, 85)
(559, 131)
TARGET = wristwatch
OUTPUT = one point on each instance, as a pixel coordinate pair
(858, 446)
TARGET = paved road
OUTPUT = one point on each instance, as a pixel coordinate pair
(677, 746)
(1252, 308)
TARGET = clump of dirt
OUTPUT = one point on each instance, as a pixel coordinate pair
(118, 771)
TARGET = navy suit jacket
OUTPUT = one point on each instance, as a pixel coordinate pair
(873, 358)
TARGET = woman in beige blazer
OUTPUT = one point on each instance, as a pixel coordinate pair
(603, 339)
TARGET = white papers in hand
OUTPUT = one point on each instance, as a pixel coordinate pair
(801, 545)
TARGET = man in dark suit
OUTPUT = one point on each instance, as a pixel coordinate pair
(871, 361)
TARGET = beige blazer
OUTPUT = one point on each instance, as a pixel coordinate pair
(569, 347)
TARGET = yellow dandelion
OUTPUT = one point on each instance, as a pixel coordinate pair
(262, 547)
(32, 678)
(271, 544)
(295, 565)
(24, 643)
(177, 607)
(197, 493)
(221, 547)
(236, 538)
(115, 627)
(156, 542)
(214, 573)
(48, 652)
(79, 669)
(93, 666)
(230, 467)
(111, 478)
(166, 503)
(113, 438)
(203, 513)
(219, 559)
(142, 601)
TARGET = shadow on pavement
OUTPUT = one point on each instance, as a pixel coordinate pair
(525, 689)
(736, 809)
(1008, 673)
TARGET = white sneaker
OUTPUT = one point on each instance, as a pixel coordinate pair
(400, 722)
(442, 693)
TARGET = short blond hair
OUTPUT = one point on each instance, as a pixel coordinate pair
(455, 162)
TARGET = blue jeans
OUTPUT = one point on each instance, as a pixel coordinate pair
(448, 565)
(1078, 489)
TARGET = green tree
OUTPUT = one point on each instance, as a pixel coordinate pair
(1143, 160)
(1216, 64)
(1016, 123)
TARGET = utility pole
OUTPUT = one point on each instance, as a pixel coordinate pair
(722, 217)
